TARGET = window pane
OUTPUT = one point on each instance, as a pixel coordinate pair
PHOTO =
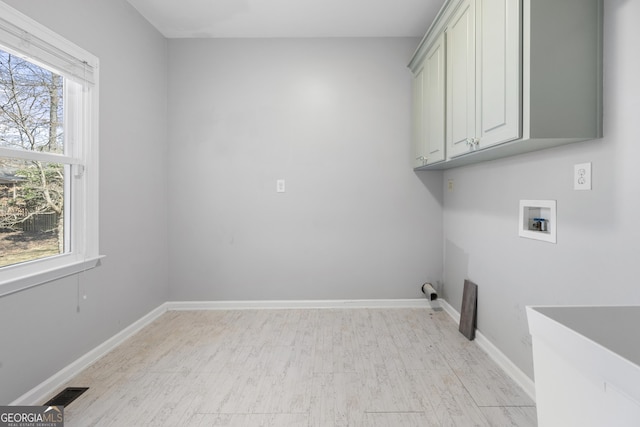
(31, 210)
(31, 106)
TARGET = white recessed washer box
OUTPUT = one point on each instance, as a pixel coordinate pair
(537, 220)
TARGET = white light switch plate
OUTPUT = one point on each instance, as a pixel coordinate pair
(280, 186)
(582, 176)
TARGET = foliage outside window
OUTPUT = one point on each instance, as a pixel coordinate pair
(31, 191)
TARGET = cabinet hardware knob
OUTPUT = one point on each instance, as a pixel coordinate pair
(423, 159)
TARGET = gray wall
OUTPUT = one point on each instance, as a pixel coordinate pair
(332, 118)
(596, 258)
(41, 329)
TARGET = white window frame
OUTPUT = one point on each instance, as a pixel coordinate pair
(22, 36)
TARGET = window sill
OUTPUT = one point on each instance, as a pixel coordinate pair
(21, 279)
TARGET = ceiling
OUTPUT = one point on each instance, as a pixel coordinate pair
(289, 18)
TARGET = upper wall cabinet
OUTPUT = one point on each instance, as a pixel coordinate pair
(429, 106)
(509, 77)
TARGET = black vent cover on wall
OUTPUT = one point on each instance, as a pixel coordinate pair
(66, 396)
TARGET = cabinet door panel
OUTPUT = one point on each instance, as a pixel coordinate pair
(461, 79)
(434, 101)
(420, 151)
(499, 82)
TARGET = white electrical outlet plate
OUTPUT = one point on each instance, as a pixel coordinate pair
(280, 186)
(582, 176)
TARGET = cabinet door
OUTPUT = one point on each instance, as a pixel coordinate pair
(420, 151)
(498, 71)
(434, 101)
(461, 79)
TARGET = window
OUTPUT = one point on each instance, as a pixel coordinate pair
(48, 155)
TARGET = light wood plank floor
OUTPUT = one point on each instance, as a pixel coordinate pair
(311, 367)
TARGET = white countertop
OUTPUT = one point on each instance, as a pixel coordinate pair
(616, 328)
(604, 341)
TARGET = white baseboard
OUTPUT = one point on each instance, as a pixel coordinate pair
(40, 393)
(507, 365)
(450, 311)
(499, 357)
(283, 304)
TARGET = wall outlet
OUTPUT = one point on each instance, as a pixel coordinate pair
(582, 176)
(280, 186)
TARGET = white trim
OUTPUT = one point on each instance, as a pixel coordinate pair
(52, 268)
(44, 390)
(497, 356)
(292, 304)
(41, 156)
(507, 365)
(450, 311)
(24, 35)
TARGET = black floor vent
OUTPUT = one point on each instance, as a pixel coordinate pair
(66, 396)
